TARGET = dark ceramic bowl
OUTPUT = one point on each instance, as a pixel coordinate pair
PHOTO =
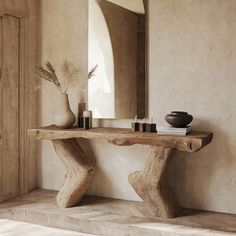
(179, 119)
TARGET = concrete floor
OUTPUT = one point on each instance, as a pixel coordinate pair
(17, 228)
(112, 217)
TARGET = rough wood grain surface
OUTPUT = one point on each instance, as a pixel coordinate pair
(10, 106)
(125, 137)
(18, 8)
(1, 114)
(151, 183)
(18, 105)
(79, 172)
(29, 106)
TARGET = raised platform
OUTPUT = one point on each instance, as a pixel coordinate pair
(111, 217)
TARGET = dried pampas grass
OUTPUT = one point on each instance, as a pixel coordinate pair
(70, 75)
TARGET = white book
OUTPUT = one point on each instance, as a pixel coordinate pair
(168, 130)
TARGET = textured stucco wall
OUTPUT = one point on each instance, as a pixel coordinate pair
(64, 39)
(192, 60)
(192, 67)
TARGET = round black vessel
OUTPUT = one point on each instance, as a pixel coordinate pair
(179, 119)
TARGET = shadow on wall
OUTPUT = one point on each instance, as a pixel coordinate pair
(189, 170)
(100, 175)
(87, 148)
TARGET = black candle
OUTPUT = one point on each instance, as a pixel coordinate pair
(135, 125)
(143, 127)
(151, 127)
(81, 109)
(86, 122)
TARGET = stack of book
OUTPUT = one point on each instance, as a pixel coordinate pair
(170, 130)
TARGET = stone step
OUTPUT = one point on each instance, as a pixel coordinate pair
(112, 217)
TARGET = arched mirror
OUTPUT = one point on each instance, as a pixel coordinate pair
(117, 58)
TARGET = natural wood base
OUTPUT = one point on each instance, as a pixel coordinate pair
(79, 171)
(151, 183)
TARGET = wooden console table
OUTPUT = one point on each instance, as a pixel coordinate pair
(150, 183)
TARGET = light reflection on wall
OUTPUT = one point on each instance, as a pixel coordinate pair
(101, 86)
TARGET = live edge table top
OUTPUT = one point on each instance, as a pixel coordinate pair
(192, 142)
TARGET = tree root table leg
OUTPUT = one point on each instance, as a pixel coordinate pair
(151, 183)
(79, 171)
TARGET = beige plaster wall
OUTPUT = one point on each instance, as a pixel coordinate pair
(64, 37)
(192, 67)
(192, 60)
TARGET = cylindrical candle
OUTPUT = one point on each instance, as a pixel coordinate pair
(88, 114)
(81, 109)
(86, 122)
